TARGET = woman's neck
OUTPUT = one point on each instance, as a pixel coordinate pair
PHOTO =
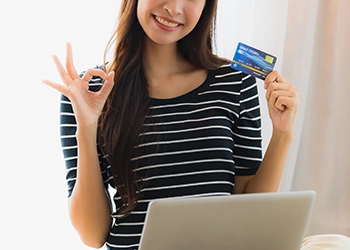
(163, 60)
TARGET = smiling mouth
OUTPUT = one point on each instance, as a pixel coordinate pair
(166, 23)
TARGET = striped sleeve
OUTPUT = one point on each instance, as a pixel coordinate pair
(247, 132)
(69, 146)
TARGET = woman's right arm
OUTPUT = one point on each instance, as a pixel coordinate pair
(89, 205)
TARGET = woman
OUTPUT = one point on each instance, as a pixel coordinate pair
(171, 120)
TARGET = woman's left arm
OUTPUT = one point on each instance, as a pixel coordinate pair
(282, 99)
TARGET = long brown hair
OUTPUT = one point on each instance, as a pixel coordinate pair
(123, 115)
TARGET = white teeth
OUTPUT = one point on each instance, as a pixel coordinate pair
(166, 23)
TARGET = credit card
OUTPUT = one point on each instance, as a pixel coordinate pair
(253, 61)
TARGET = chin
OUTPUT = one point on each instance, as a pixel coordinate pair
(162, 41)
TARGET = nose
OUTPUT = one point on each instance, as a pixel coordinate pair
(173, 7)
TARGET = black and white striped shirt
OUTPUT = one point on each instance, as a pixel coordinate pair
(193, 146)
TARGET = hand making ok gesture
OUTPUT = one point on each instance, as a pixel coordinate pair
(87, 105)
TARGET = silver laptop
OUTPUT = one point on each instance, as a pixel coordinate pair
(265, 221)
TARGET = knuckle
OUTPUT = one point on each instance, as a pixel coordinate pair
(296, 102)
(274, 94)
(296, 94)
(292, 87)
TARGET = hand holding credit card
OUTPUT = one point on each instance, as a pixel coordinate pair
(253, 61)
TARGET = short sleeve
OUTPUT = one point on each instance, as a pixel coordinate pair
(247, 132)
(69, 146)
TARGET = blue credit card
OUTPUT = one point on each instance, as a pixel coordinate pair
(253, 61)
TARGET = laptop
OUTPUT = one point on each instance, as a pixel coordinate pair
(271, 221)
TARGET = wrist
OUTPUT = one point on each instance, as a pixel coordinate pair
(284, 136)
(86, 133)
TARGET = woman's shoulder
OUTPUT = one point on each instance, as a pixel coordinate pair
(226, 72)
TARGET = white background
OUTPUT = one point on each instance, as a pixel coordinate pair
(33, 207)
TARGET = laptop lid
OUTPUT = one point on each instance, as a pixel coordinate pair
(271, 221)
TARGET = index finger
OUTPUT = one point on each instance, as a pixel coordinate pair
(274, 76)
(94, 72)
